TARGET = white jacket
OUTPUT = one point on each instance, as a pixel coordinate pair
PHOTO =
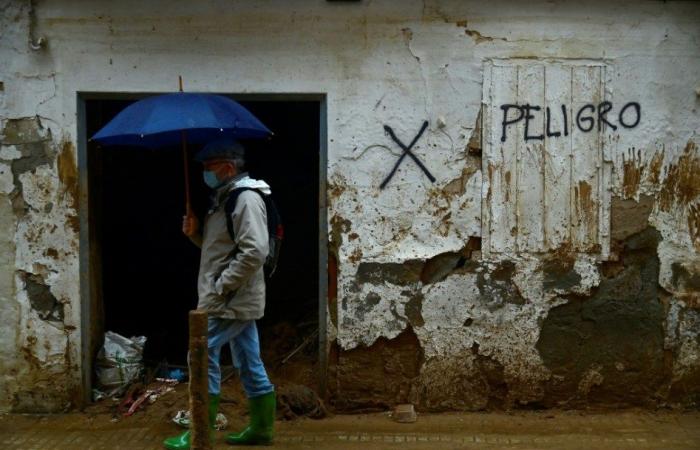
(231, 282)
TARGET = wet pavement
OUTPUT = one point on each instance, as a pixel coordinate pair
(518, 430)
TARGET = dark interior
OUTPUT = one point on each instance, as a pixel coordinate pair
(148, 268)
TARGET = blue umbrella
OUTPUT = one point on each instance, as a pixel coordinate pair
(172, 119)
(159, 120)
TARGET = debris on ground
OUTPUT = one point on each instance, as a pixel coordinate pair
(177, 374)
(136, 395)
(295, 400)
(119, 364)
(182, 418)
(308, 340)
(405, 413)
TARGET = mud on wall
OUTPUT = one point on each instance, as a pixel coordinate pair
(431, 306)
(553, 261)
(40, 322)
(559, 329)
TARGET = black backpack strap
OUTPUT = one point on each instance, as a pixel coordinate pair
(275, 229)
(231, 205)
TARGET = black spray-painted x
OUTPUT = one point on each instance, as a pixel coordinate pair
(406, 151)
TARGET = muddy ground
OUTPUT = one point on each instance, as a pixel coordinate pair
(531, 430)
(101, 426)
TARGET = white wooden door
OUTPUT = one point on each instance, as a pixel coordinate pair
(545, 165)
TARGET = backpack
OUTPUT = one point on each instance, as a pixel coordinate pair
(275, 229)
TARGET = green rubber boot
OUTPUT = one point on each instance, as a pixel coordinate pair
(182, 441)
(262, 421)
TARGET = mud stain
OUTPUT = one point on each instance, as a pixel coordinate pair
(339, 226)
(499, 289)
(336, 187)
(681, 185)
(629, 217)
(507, 179)
(333, 288)
(480, 38)
(475, 143)
(400, 274)
(685, 277)
(632, 174)
(68, 173)
(490, 170)
(680, 190)
(653, 174)
(355, 256)
(28, 350)
(24, 130)
(587, 211)
(694, 225)
(559, 273)
(377, 377)
(457, 187)
(413, 308)
(636, 171)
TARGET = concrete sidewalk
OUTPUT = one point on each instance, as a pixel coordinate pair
(520, 430)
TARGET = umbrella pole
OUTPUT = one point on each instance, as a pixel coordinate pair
(188, 207)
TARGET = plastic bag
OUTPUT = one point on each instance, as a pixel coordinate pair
(119, 362)
(182, 418)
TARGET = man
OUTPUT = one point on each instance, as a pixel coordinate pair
(231, 286)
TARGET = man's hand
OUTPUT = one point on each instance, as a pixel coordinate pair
(190, 225)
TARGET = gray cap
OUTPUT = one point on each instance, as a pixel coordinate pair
(224, 148)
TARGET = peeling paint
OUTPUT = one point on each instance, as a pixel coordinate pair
(629, 217)
(458, 186)
(45, 252)
(9, 152)
(618, 325)
(7, 184)
(42, 300)
(479, 38)
(632, 175)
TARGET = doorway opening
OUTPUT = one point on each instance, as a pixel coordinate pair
(141, 273)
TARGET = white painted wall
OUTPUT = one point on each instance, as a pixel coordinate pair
(393, 63)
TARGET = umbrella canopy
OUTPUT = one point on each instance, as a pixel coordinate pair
(172, 119)
(159, 121)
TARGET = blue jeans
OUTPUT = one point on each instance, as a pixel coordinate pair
(245, 349)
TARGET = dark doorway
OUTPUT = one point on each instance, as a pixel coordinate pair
(144, 271)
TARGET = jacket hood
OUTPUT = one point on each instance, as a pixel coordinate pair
(247, 182)
(242, 181)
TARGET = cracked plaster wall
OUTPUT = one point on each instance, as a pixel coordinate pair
(393, 63)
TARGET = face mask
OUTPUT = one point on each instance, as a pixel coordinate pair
(211, 179)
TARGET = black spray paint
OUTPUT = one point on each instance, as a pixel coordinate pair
(406, 151)
(586, 119)
(638, 111)
(585, 123)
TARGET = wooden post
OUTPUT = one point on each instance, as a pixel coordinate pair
(199, 383)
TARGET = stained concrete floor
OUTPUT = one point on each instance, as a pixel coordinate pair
(519, 430)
